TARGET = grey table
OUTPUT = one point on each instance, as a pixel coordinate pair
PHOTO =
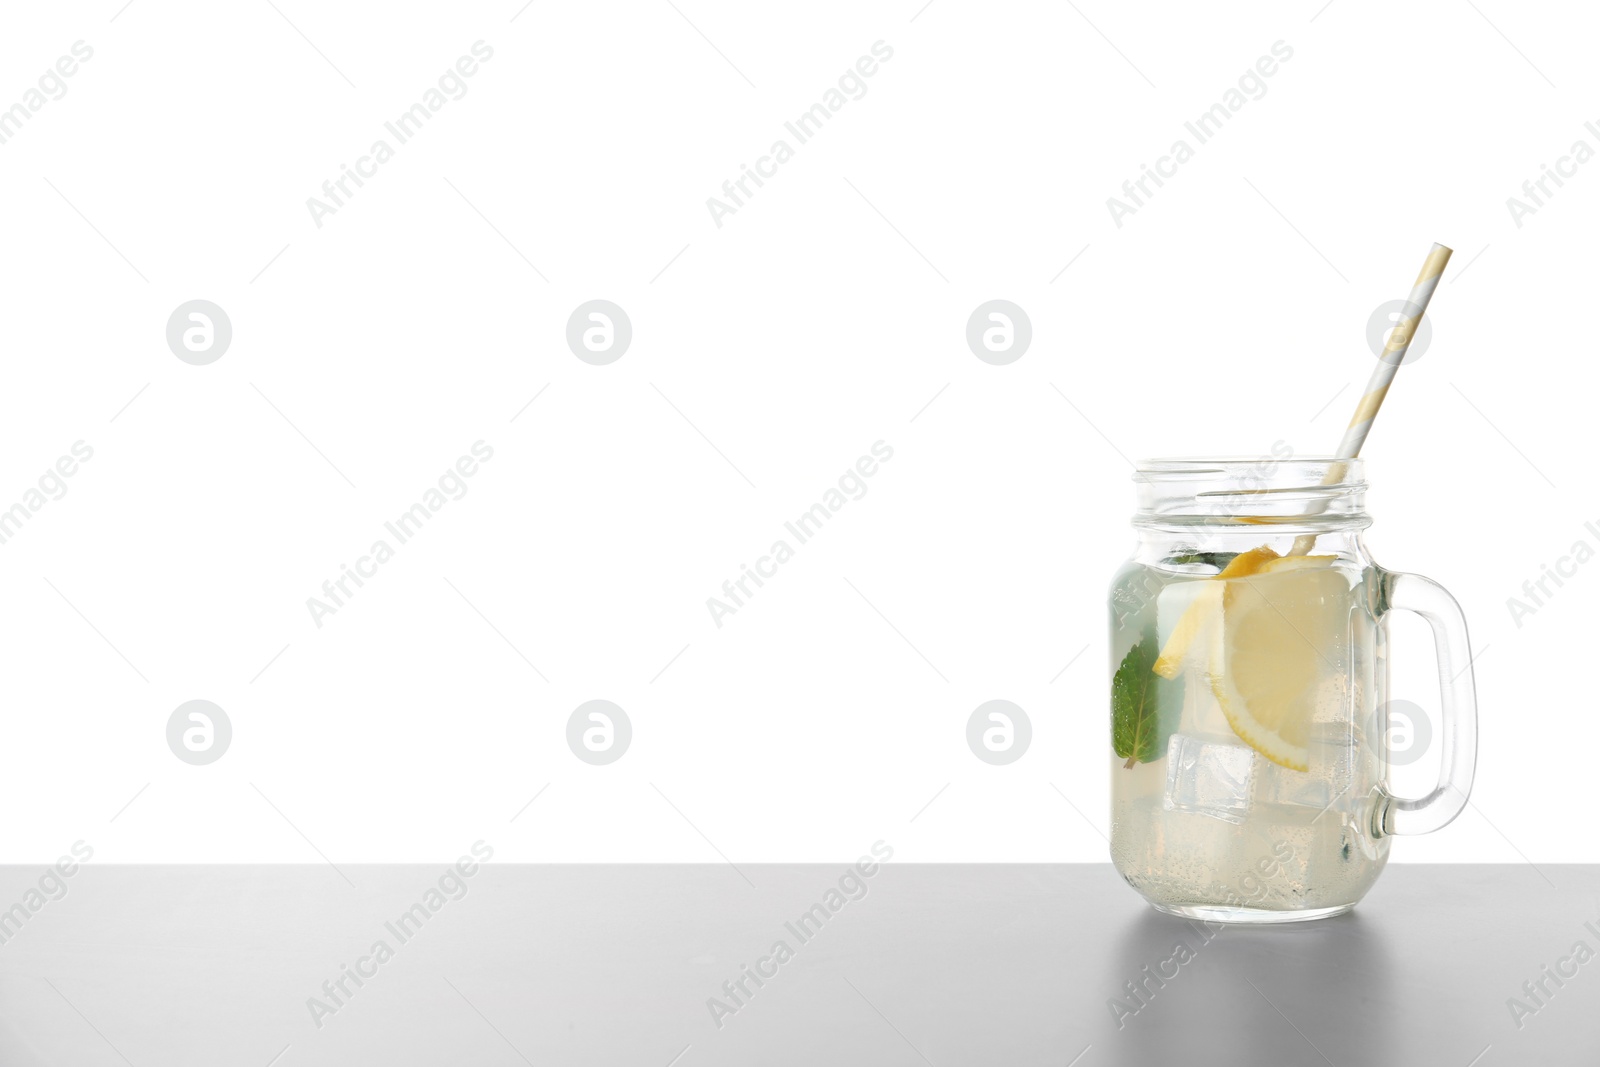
(941, 965)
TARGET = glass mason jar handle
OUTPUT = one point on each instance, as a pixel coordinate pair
(1458, 708)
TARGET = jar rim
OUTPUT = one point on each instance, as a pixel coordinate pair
(1222, 464)
(1279, 489)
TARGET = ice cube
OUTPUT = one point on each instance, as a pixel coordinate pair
(1328, 783)
(1208, 778)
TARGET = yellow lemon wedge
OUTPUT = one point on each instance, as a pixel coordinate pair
(1283, 632)
(1205, 607)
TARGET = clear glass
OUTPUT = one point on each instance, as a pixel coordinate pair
(1249, 679)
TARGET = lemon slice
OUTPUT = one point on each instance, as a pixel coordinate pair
(1283, 633)
(1204, 609)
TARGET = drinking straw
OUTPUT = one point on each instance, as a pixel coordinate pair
(1394, 353)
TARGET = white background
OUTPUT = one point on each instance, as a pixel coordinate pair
(827, 314)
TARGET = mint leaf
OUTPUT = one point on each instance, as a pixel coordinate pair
(1144, 705)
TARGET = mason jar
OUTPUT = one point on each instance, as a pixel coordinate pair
(1249, 689)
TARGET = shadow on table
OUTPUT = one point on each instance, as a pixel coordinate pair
(1192, 993)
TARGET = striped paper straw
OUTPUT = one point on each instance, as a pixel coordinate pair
(1394, 353)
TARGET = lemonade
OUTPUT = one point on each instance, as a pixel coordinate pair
(1245, 784)
(1249, 716)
